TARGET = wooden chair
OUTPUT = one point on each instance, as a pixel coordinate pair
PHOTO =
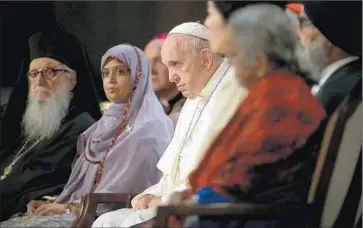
(342, 138)
(87, 215)
(349, 112)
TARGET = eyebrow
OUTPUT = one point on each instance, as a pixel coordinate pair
(48, 66)
(172, 62)
(118, 67)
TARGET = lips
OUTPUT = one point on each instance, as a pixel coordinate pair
(111, 90)
(181, 87)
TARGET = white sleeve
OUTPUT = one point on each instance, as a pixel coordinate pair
(166, 197)
(156, 190)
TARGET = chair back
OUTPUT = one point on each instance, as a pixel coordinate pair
(337, 179)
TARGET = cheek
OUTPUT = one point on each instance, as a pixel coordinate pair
(307, 35)
(209, 21)
(165, 74)
(162, 70)
(104, 82)
(213, 27)
(183, 76)
(124, 85)
(55, 85)
(218, 35)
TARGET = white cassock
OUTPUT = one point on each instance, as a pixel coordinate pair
(199, 123)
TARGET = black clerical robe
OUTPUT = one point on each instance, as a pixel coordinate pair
(44, 170)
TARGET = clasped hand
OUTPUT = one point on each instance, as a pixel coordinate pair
(151, 201)
(43, 208)
(147, 201)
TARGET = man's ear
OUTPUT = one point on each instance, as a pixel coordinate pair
(73, 81)
(207, 58)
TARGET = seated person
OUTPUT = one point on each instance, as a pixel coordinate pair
(331, 54)
(120, 151)
(53, 101)
(259, 157)
(205, 79)
(169, 95)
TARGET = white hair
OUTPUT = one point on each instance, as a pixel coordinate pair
(313, 59)
(264, 30)
(43, 119)
(72, 73)
(196, 44)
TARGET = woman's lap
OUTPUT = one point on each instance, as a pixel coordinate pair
(64, 220)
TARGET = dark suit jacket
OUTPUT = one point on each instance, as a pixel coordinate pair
(339, 84)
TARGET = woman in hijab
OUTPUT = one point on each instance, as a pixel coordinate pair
(52, 103)
(118, 153)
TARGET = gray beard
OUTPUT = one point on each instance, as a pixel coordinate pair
(313, 59)
(42, 120)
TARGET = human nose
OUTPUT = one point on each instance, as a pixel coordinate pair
(39, 79)
(172, 76)
(112, 77)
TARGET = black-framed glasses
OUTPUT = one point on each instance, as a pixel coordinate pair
(48, 73)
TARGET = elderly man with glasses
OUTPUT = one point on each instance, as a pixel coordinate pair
(49, 107)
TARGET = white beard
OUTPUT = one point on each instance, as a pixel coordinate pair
(313, 59)
(42, 120)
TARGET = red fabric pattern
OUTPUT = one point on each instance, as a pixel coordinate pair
(274, 120)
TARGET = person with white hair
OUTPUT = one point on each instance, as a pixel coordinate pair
(261, 156)
(52, 103)
(201, 76)
(117, 153)
(331, 48)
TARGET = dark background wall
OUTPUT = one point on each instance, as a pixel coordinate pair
(99, 25)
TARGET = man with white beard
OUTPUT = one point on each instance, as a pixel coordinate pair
(331, 48)
(42, 118)
(49, 107)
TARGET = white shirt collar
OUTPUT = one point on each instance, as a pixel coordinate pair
(213, 82)
(330, 69)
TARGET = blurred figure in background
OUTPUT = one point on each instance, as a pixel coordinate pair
(49, 107)
(293, 11)
(331, 48)
(221, 35)
(223, 42)
(167, 92)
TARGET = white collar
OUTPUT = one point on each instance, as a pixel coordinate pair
(330, 69)
(207, 91)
